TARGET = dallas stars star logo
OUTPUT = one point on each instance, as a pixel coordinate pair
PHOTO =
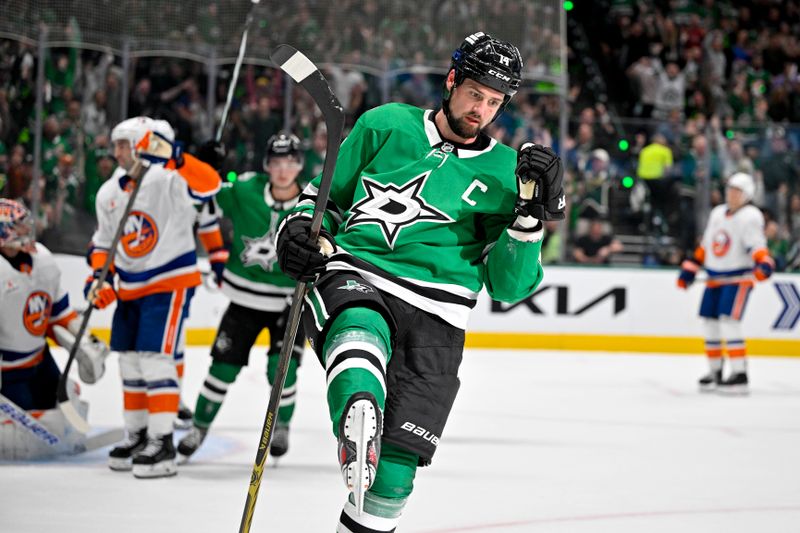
(259, 251)
(393, 208)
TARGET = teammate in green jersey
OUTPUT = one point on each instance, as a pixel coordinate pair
(425, 211)
(258, 290)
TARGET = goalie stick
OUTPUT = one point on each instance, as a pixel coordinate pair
(236, 67)
(304, 72)
(70, 413)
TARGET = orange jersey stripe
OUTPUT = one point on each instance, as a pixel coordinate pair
(183, 281)
(173, 321)
(65, 320)
(179, 369)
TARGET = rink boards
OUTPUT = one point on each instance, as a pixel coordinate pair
(575, 308)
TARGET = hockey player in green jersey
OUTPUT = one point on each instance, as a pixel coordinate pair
(259, 292)
(425, 211)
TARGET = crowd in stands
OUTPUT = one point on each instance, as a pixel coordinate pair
(695, 92)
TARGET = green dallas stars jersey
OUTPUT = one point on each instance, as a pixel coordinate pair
(252, 277)
(424, 219)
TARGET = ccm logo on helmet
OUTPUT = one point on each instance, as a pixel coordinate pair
(421, 432)
(499, 75)
(36, 313)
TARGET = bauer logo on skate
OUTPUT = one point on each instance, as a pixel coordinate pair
(721, 243)
(36, 313)
(140, 235)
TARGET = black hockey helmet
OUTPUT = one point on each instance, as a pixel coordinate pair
(283, 145)
(489, 61)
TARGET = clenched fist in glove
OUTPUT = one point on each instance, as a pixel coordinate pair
(212, 152)
(298, 256)
(156, 148)
(100, 296)
(539, 183)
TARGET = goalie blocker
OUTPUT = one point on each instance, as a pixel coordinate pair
(422, 373)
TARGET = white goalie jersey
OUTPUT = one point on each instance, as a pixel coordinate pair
(31, 302)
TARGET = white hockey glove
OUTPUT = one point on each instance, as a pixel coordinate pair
(156, 148)
(90, 356)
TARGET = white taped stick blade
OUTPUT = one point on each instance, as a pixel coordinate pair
(299, 67)
(74, 417)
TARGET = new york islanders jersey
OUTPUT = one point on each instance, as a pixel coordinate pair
(732, 243)
(252, 277)
(157, 251)
(31, 302)
(424, 218)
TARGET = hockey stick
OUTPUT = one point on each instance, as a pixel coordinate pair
(303, 71)
(70, 413)
(21, 418)
(236, 67)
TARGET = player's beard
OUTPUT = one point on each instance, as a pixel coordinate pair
(459, 125)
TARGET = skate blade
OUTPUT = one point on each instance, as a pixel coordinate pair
(120, 465)
(734, 390)
(362, 429)
(162, 469)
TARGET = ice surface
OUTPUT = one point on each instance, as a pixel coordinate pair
(537, 441)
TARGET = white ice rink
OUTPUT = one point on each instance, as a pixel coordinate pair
(537, 441)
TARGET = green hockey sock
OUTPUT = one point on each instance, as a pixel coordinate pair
(395, 477)
(289, 393)
(356, 352)
(212, 393)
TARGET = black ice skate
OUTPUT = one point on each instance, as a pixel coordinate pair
(735, 385)
(190, 443)
(184, 418)
(119, 458)
(280, 440)
(710, 381)
(359, 444)
(157, 459)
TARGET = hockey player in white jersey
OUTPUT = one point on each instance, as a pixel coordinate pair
(734, 254)
(156, 273)
(35, 306)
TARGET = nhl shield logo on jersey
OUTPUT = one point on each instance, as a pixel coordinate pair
(721, 243)
(36, 313)
(140, 234)
(393, 208)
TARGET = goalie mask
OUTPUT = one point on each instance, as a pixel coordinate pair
(16, 226)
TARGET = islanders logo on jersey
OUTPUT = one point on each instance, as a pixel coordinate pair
(140, 234)
(36, 313)
(721, 243)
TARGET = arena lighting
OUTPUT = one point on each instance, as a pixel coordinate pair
(568, 6)
(730, 134)
(231, 176)
(623, 145)
(627, 182)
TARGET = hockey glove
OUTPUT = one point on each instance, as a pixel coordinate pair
(156, 148)
(764, 269)
(689, 269)
(213, 153)
(217, 258)
(539, 183)
(298, 256)
(99, 296)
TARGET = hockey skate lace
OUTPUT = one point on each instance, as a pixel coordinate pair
(153, 447)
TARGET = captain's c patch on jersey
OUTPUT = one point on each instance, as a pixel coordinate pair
(393, 208)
